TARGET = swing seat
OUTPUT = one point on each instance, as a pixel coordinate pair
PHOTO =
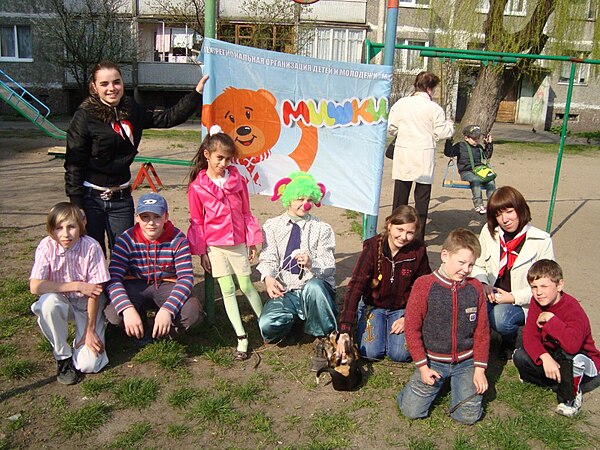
(452, 178)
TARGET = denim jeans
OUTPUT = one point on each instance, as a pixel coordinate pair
(373, 333)
(110, 217)
(416, 397)
(314, 304)
(506, 319)
(476, 186)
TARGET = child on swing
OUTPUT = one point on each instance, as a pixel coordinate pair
(222, 229)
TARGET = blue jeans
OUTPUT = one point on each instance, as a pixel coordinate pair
(476, 186)
(373, 332)
(506, 319)
(314, 304)
(416, 397)
(107, 217)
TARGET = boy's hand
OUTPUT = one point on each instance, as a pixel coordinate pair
(274, 287)
(488, 139)
(428, 375)
(551, 367)
(543, 318)
(341, 347)
(398, 326)
(205, 261)
(162, 323)
(92, 341)
(480, 381)
(252, 252)
(90, 289)
(489, 293)
(133, 323)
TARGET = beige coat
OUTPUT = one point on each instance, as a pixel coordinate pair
(417, 123)
(538, 245)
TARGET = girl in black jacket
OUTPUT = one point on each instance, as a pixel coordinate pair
(102, 141)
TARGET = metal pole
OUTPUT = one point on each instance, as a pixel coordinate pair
(391, 23)
(210, 26)
(563, 137)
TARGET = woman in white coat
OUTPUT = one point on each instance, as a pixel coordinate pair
(418, 123)
(509, 247)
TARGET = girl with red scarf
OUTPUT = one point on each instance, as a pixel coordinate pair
(509, 247)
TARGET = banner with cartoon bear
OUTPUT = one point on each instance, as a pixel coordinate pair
(289, 112)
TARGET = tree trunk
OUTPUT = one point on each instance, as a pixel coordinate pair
(490, 88)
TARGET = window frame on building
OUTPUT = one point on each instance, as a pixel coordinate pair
(509, 10)
(21, 44)
(324, 43)
(582, 71)
(403, 56)
(414, 3)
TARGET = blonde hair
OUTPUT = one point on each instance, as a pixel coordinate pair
(461, 238)
(65, 211)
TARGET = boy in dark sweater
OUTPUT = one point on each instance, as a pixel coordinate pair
(559, 350)
(151, 268)
(460, 150)
(448, 334)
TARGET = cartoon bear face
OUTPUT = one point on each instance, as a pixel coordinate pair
(249, 117)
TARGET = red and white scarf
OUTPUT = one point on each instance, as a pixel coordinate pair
(250, 165)
(508, 250)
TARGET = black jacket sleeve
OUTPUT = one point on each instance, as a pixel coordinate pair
(79, 145)
(449, 150)
(158, 117)
(488, 151)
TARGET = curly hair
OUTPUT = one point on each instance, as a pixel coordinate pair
(302, 184)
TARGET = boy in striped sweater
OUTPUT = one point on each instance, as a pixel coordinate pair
(151, 268)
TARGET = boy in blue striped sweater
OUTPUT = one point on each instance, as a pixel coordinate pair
(151, 268)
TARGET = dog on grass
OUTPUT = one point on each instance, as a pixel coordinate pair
(345, 373)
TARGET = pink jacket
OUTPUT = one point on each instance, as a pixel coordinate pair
(220, 216)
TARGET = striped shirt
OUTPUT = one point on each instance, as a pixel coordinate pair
(168, 257)
(84, 261)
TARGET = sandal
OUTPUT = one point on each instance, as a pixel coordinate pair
(239, 355)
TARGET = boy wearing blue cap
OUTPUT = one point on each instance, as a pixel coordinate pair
(151, 268)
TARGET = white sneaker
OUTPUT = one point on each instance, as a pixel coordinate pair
(570, 408)
(481, 210)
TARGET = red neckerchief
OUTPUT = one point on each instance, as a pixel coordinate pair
(250, 164)
(124, 129)
(508, 253)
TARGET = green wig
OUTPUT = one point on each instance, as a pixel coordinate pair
(297, 185)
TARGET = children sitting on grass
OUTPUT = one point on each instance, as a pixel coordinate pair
(558, 348)
(151, 269)
(448, 334)
(69, 273)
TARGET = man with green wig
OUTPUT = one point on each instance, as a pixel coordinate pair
(297, 263)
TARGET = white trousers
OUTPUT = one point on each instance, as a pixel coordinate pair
(54, 311)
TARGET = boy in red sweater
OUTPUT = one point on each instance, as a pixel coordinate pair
(559, 350)
(448, 334)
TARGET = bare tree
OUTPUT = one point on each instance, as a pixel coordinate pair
(89, 31)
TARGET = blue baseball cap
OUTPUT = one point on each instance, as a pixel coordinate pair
(153, 203)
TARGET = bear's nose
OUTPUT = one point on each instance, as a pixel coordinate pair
(243, 131)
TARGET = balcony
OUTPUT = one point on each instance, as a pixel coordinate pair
(171, 76)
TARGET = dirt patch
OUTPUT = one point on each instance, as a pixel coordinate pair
(291, 410)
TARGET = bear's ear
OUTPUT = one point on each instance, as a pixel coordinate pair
(279, 188)
(266, 94)
(323, 191)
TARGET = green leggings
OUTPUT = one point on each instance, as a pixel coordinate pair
(231, 306)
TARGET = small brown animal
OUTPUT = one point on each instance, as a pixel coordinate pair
(345, 373)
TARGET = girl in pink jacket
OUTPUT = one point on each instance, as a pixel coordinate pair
(223, 230)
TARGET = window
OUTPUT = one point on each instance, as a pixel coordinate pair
(335, 44)
(582, 71)
(410, 61)
(415, 3)
(591, 10)
(279, 38)
(15, 42)
(513, 7)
